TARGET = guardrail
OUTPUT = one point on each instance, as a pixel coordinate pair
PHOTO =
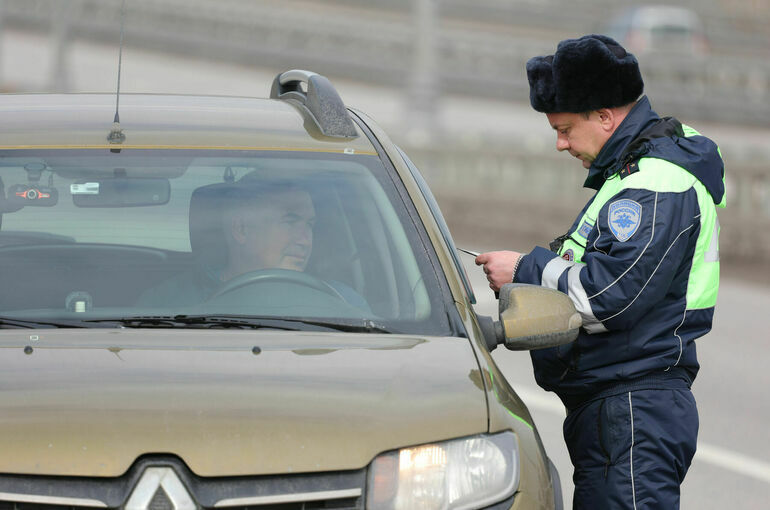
(534, 195)
(377, 45)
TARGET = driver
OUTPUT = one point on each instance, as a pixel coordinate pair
(268, 230)
(265, 226)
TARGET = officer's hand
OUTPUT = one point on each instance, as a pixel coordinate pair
(498, 265)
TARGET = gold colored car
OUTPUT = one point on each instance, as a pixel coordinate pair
(246, 304)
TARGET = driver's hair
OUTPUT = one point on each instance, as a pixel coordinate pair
(246, 193)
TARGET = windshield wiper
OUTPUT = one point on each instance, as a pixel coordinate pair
(185, 321)
(248, 321)
(347, 325)
(33, 324)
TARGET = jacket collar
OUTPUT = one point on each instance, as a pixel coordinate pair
(606, 163)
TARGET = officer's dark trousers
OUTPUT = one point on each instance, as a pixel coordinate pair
(632, 451)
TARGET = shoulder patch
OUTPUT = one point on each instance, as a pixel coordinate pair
(624, 217)
(568, 255)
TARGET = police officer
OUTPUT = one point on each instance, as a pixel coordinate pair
(641, 264)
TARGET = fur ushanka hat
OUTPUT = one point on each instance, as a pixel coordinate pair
(584, 74)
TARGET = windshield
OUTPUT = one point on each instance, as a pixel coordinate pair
(95, 236)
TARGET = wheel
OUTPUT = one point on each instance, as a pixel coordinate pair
(272, 276)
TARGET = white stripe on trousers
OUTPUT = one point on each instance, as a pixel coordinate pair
(631, 461)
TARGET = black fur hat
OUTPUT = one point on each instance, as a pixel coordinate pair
(584, 74)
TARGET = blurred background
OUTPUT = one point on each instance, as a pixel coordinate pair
(447, 81)
(445, 78)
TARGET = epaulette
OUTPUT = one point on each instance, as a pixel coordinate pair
(629, 169)
(665, 127)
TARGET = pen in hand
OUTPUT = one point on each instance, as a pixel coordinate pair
(476, 254)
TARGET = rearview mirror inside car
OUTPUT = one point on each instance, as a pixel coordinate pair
(121, 192)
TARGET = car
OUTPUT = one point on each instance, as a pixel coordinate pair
(146, 364)
(659, 29)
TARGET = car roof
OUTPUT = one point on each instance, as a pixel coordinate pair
(163, 121)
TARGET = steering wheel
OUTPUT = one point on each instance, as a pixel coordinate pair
(276, 275)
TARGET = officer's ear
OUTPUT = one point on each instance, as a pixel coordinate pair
(607, 119)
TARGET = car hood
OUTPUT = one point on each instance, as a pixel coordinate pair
(228, 402)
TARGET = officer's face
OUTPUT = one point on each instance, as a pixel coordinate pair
(277, 232)
(582, 137)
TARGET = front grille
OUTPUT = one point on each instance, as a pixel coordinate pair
(161, 502)
(7, 505)
(165, 483)
(342, 504)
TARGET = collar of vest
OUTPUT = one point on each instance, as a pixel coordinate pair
(610, 159)
(644, 134)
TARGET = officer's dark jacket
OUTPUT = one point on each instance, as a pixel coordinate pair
(640, 263)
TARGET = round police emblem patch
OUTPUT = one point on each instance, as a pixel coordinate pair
(568, 255)
(624, 218)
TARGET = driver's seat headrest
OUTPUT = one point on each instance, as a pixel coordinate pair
(207, 236)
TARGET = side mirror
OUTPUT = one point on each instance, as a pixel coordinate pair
(532, 317)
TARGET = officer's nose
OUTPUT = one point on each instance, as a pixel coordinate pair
(561, 143)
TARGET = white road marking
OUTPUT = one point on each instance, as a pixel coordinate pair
(732, 461)
(707, 453)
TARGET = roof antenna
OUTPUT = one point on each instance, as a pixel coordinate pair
(116, 135)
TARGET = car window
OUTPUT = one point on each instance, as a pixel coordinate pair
(91, 233)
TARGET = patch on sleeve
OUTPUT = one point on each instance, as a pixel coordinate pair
(624, 218)
(569, 255)
(585, 230)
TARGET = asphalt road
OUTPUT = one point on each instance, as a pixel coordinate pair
(731, 468)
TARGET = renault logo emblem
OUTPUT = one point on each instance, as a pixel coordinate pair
(160, 488)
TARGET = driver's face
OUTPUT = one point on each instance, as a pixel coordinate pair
(278, 231)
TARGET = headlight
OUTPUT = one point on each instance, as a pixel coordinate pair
(464, 473)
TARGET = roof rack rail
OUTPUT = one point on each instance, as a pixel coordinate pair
(321, 101)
